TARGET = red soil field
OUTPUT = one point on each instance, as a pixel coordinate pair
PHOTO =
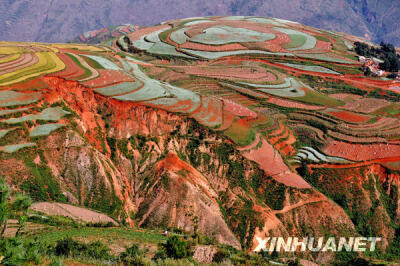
(210, 111)
(274, 45)
(292, 104)
(278, 137)
(289, 141)
(227, 120)
(72, 70)
(199, 28)
(367, 105)
(272, 164)
(107, 78)
(213, 48)
(180, 106)
(134, 36)
(288, 150)
(345, 96)
(349, 116)
(35, 83)
(381, 122)
(361, 152)
(322, 46)
(278, 131)
(231, 73)
(238, 109)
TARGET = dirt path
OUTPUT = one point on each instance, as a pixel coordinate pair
(299, 204)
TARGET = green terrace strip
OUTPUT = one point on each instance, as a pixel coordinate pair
(225, 34)
(299, 40)
(16, 147)
(216, 55)
(318, 69)
(48, 114)
(105, 63)
(118, 89)
(45, 129)
(12, 98)
(4, 132)
(12, 111)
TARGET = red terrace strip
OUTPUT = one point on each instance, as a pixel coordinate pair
(292, 104)
(72, 70)
(107, 77)
(228, 119)
(324, 46)
(210, 112)
(360, 164)
(199, 28)
(213, 48)
(231, 73)
(238, 109)
(27, 85)
(180, 106)
(349, 116)
(361, 152)
(278, 137)
(288, 150)
(278, 131)
(274, 45)
(134, 36)
(272, 164)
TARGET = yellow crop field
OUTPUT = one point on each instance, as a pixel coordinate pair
(48, 63)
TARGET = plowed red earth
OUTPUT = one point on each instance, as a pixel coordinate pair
(238, 109)
(349, 117)
(227, 120)
(272, 163)
(366, 105)
(134, 36)
(232, 73)
(213, 48)
(72, 70)
(35, 83)
(199, 28)
(107, 77)
(274, 45)
(361, 152)
(292, 104)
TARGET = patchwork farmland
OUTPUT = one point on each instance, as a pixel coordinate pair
(285, 96)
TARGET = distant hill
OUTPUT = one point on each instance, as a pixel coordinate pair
(60, 21)
(100, 35)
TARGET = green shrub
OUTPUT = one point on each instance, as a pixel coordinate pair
(68, 247)
(130, 252)
(177, 248)
(16, 251)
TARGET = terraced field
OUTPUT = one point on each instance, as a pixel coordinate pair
(236, 75)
